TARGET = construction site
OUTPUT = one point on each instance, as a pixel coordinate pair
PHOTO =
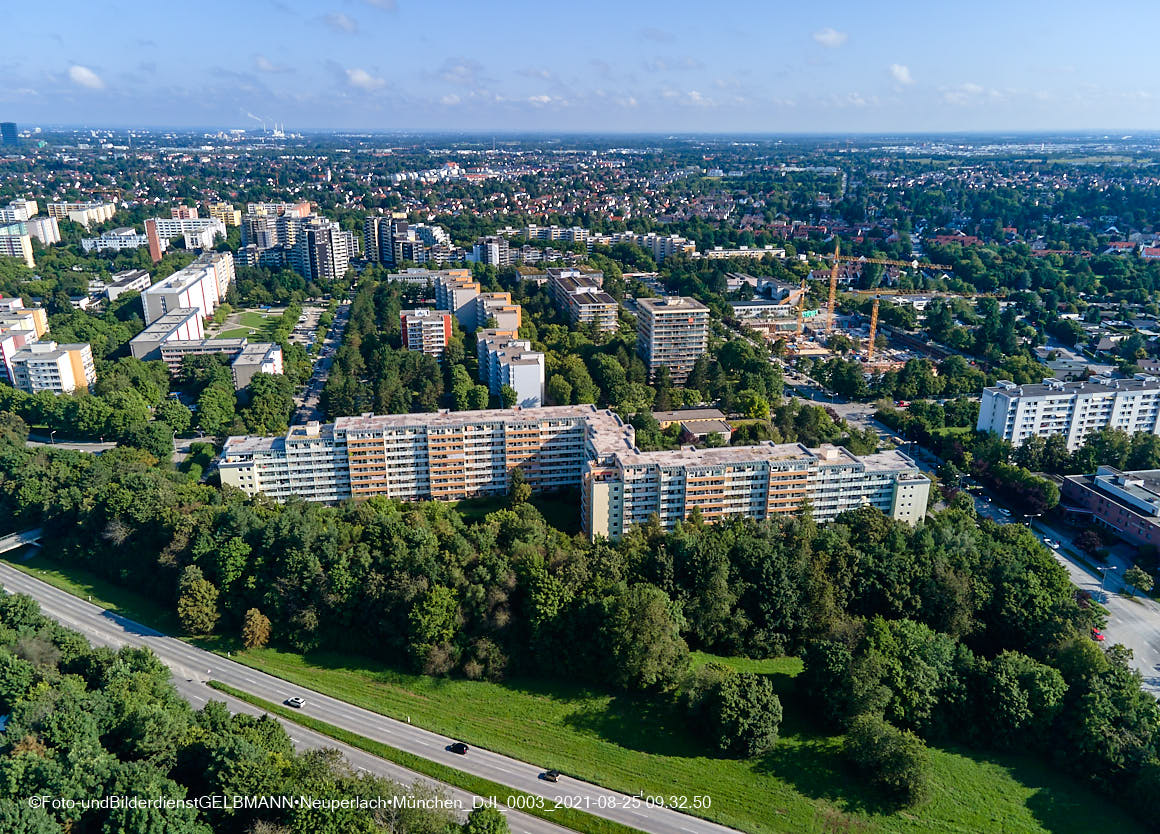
(813, 332)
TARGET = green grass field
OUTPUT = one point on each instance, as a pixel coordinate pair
(236, 333)
(558, 509)
(634, 744)
(631, 745)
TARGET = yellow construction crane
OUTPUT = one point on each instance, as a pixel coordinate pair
(802, 310)
(838, 258)
(878, 294)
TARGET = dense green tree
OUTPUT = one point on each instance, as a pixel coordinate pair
(642, 638)
(196, 602)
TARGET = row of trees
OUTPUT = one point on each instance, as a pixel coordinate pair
(91, 722)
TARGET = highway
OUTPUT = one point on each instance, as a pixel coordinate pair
(192, 667)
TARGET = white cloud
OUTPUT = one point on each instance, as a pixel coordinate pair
(85, 77)
(830, 38)
(901, 73)
(450, 100)
(341, 23)
(971, 88)
(540, 101)
(264, 64)
(385, 5)
(363, 80)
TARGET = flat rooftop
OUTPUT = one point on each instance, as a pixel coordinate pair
(671, 304)
(255, 352)
(181, 279)
(686, 414)
(1095, 385)
(167, 323)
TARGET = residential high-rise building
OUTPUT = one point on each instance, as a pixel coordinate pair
(1073, 409)
(44, 229)
(496, 309)
(492, 250)
(195, 286)
(671, 333)
(19, 210)
(199, 233)
(222, 264)
(179, 324)
(271, 228)
(456, 291)
(581, 297)
(379, 236)
(19, 326)
(15, 242)
(511, 362)
(118, 239)
(8, 134)
(48, 366)
(454, 455)
(427, 331)
(127, 281)
(225, 212)
(83, 213)
(321, 250)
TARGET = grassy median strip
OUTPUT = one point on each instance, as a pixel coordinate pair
(507, 797)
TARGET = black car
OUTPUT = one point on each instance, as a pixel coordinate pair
(551, 775)
(459, 747)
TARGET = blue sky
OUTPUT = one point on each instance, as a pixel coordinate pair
(633, 65)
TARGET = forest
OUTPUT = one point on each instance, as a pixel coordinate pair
(934, 631)
(86, 723)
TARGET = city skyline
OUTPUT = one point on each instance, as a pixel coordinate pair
(380, 65)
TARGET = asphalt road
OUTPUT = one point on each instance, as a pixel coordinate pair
(307, 402)
(192, 667)
(1133, 620)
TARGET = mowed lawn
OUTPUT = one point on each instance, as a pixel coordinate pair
(635, 745)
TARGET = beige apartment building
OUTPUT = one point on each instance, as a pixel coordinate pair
(448, 456)
(671, 333)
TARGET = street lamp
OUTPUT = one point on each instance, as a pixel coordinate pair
(1104, 572)
(52, 437)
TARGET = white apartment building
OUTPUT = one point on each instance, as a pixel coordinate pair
(222, 264)
(15, 242)
(198, 232)
(48, 366)
(321, 249)
(427, 331)
(176, 325)
(512, 362)
(195, 286)
(671, 333)
(82, 213)
(44, 229)
(19, 210)
(118, 239)
(624, 488)
(127, 281)
(583, 299)
(1073, 409)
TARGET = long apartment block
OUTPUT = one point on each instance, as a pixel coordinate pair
(1073, 409)
(448, 456)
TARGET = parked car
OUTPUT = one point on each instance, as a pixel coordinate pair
(459, 747)
(1097, 635)
(295, 702)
